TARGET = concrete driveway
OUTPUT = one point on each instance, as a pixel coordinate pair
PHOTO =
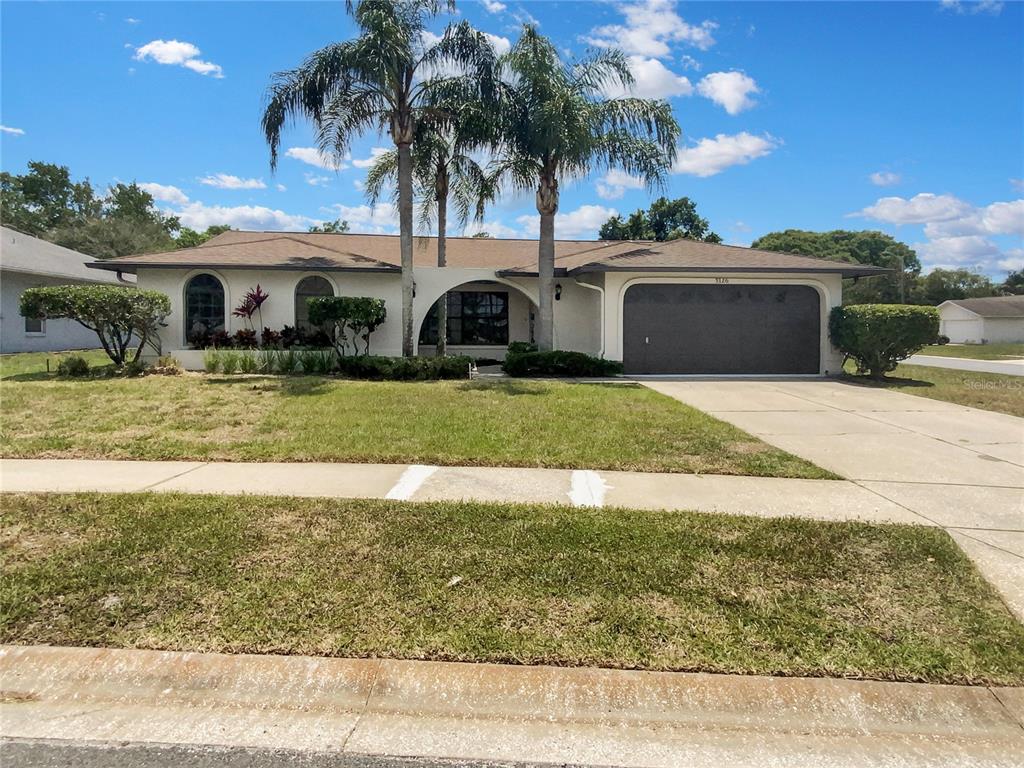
(961, 468)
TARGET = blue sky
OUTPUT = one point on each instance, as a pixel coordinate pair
(905, 117)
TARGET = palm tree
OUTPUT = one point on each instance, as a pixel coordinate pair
(443, 169)
(555, 123)
(382, 79)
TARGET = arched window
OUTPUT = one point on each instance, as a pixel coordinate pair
(204, 306)
(308, 288)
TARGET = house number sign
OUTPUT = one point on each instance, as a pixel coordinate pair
(721, 279)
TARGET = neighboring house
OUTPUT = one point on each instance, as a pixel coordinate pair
(28, 262)
(981, 321)
(675, 307)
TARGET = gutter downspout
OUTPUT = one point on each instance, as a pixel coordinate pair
(120, 278)
(600, 290)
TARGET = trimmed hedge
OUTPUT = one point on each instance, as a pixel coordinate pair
(404, 368)
(558, 363)
(878, 336)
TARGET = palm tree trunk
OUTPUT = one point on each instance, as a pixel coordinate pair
(405, 239)
(442, 259)
(547, 206)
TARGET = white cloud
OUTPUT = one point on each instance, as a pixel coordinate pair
(581, 223)
(993, 7)
(731, 90)
(615, 183)
(966, 250)
(199, 216)
(315, 180)
(381, 218)
(493, 228)
(493, 6)
(885, 178)
(165, 193)
(920, 209)
(958, 233)
(13, 131)
(1013, 260)
(711, 156)
(313, 156)
(653, 81)
(131, 20)
(650, 29)
(281, 188)
(501, 44)
(227, 181)
(374, 154)
(177, 53)
(1017, 184)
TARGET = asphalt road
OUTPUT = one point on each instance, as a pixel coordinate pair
(24, 753)
(1008, 367)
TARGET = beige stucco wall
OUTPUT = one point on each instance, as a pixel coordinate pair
(829, 287)
(587, 319)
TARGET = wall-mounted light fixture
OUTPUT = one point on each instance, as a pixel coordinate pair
(558, 291)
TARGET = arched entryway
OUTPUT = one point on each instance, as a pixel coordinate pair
(484, 317)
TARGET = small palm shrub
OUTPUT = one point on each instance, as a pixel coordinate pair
(211, 360)
(267, 360)
(317, 360)
(248, 362)
(287, 361)
(230, 361)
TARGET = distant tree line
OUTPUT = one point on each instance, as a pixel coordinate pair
(46, 203)
(678, 219)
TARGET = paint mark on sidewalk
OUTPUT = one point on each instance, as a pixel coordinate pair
(588, 489)
(410, 481)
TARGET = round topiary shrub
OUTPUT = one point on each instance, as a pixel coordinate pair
(877, 336)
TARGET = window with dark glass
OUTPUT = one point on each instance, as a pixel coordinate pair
(204, 306)
(474, 318)
(309, 288)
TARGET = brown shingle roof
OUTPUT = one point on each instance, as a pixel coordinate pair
(995, 306)
(295, 250)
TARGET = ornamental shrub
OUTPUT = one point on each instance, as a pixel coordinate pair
(877, 336)
(118, 315)
(352, 317)
(405, 368)
(74, 367)
(559, 363)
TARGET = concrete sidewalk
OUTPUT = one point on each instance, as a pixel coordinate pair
(760, 496)
(492, 712)
(1009, 367)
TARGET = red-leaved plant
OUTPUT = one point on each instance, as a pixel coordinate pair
(251, 303)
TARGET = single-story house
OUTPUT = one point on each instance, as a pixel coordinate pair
(28, 262)
(982, 321)
(661, 308)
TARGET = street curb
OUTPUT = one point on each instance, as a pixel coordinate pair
(494, 712)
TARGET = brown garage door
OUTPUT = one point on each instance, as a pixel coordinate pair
(721, 329)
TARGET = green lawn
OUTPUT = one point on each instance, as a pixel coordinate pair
(988, 391)
(27, 363)
(537, 585)
(976, 351)
(498, 423)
